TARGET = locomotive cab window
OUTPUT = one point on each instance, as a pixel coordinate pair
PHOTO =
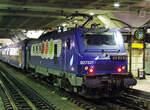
(100, 39)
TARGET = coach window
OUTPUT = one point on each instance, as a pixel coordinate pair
(68, 43)
(40, 48)
(42, 51)
(36, 49)
(33, 49)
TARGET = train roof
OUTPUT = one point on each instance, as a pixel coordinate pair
(20, 43)
(54, 33)
(47, 34)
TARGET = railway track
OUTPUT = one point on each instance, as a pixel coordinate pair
(121, 102)
(131, 99)
(18, 96)
(137, 97)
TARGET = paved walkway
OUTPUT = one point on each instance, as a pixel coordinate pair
(143, 84)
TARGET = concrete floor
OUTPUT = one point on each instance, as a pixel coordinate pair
(143, 84)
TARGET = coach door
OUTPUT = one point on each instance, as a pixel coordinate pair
(20, 57)
(27, 58)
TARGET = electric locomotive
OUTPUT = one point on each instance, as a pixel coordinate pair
(88, 61)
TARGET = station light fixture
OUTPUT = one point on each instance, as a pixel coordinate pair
(34, 34)
(91, 13)
(75, 21)
(64, 24)
(116, 5)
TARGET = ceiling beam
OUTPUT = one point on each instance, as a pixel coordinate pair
(30, 14)
(23, 23)
(35, 8)
(54, 23)
(4, 35)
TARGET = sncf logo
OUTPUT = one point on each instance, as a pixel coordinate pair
(46, 49)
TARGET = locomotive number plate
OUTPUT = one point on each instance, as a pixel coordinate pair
(86, 62)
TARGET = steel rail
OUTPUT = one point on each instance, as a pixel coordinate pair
(31, 97)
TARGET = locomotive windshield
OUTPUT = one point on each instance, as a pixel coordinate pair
(100, 39)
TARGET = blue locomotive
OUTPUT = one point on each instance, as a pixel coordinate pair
(82, 60)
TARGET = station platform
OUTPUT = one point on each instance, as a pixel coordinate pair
(143, 84)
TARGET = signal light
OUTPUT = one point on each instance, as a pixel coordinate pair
(91, 70)
(119, 70)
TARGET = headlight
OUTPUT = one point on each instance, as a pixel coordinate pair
(86, 68)
(123, 67)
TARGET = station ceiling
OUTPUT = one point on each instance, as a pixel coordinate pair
(39, 14)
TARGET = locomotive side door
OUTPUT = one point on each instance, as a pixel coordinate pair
(64, 55)
(67, 54)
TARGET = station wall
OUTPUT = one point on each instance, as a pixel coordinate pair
(147, 59)
(136, 60)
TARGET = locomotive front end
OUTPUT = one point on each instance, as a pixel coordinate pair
(103, 60)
